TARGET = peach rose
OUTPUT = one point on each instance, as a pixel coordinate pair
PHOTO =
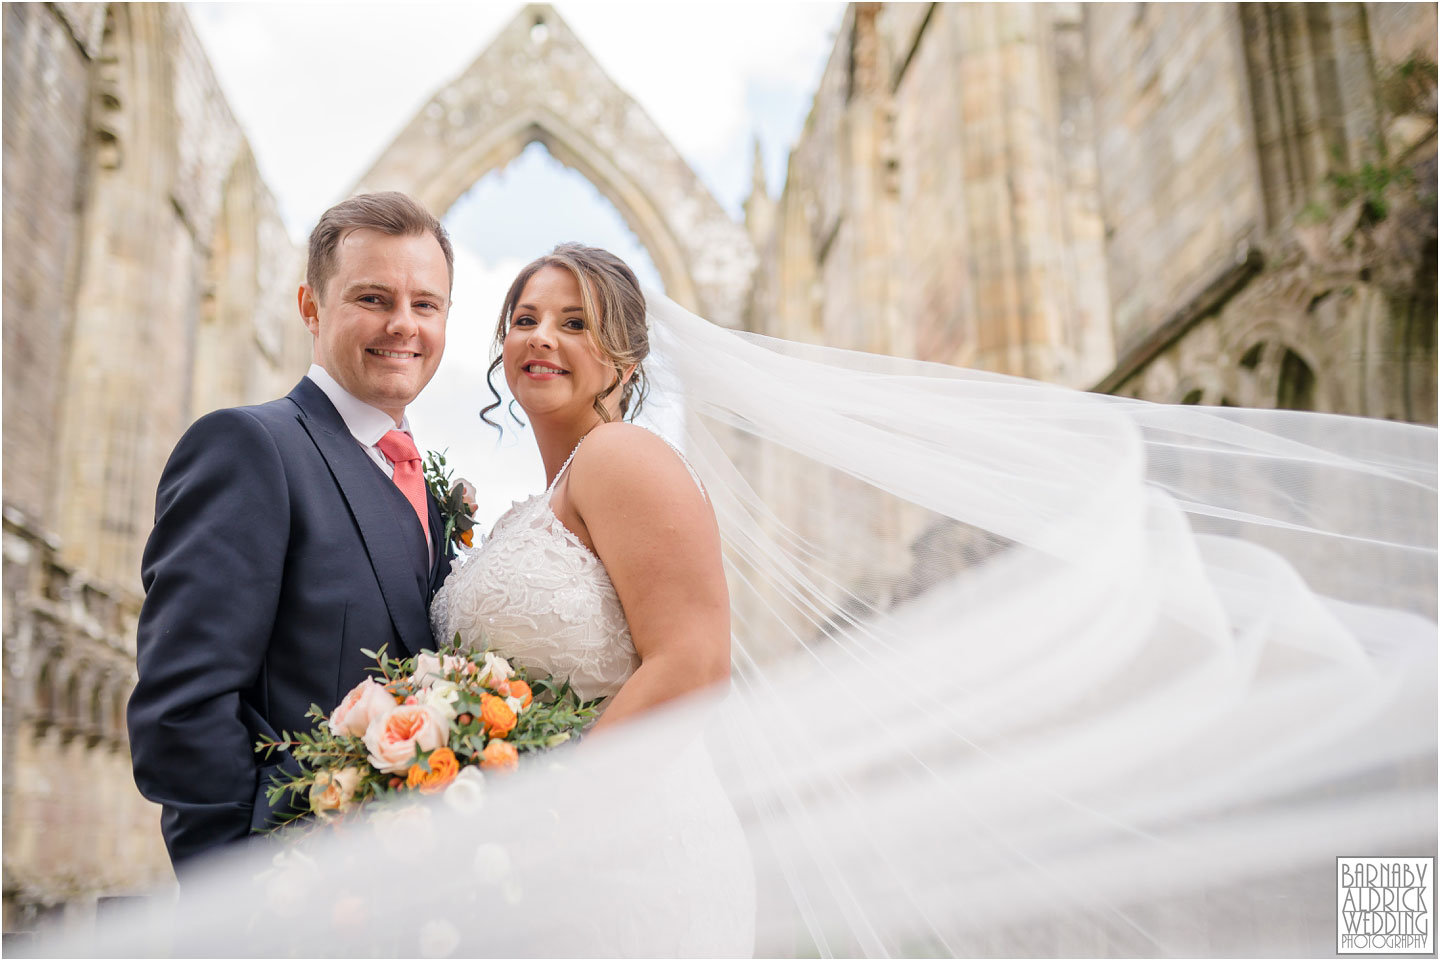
(334, 791)
(365, 702)
(496, 715)
(394, 737)
(499, 756)
(427, 667)
(443, 768)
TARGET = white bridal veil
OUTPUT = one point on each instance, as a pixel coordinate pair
(1018, 670)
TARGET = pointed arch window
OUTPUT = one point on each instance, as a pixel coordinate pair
(1296, 389)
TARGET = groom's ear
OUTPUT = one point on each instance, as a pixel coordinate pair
(309, 310)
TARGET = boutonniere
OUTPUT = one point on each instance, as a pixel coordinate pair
(456, 500)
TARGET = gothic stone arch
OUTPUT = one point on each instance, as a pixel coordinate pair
(536, 82)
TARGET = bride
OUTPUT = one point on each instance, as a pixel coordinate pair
(1015, 670)
(611, 577)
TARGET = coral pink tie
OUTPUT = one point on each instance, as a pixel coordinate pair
(400, 450)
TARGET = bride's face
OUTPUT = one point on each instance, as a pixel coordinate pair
(552, 362)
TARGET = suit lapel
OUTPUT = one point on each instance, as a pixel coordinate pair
(384, 538)
(441, 567)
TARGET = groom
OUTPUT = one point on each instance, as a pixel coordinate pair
(291, 535)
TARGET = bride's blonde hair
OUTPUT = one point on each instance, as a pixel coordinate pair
(614, 310)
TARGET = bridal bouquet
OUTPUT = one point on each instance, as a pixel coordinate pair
(426, 724)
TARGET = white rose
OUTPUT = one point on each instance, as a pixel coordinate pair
(365, 702)
(441, 695)
(496, 669)
(466, 794)
(515, 704)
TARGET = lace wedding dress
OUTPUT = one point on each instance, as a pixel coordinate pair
(535, 594)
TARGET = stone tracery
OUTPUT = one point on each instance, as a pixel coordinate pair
(537, 83)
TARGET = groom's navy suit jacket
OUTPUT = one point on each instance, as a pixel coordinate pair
(280, 551)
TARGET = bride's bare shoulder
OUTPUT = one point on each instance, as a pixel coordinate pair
(622, 460)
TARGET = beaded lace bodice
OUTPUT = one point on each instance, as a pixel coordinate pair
(536, 594)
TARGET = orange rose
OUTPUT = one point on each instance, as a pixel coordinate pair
(443, 768)
(496, 715)
(499, 756)
(467, 537)
(520, 689)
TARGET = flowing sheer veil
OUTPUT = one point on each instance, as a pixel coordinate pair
(1018, 670)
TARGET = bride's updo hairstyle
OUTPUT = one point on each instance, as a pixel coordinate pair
(614, 310)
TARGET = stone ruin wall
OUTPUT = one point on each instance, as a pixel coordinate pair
(1244, 265)
(939, 204)
(1147, 199)
(1066, 191)
(146, 281)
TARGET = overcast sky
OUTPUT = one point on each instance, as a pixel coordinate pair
(322, 88)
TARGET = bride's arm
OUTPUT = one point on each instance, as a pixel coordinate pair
(656, 534)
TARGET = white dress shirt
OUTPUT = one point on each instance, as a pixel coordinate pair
(366, 424)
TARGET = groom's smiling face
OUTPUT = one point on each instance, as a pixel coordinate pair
(379, 325)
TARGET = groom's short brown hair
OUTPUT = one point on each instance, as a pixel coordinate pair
(389, 212)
